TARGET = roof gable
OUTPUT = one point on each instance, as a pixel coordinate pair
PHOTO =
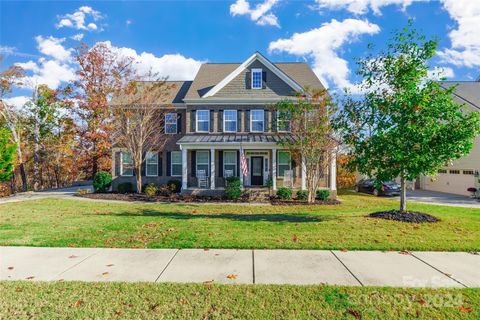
(241, 68)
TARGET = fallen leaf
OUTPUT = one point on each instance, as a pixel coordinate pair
(232, 276)
(18, 290)
(295, 238)
(404, 252)
(195, 293)
(78, 303)
(105, 273)
(10, 268)
(183, 301)
(356, 314)
(73, 256)
(30, 278)
(72, 245)
(208, 281)
(465, 309)
(110, 265)
(344, 250)
(205, 249)
(421, 301)
(170, 229)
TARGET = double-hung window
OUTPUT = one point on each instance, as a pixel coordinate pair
(230, 162)
(230, 121)
(202, 161)
(176, 163)
(257, 120)
(256, 78)
(284, 162)
(171, 123)
(283, 121)
(151, 164)
(126, 164)
(203, 120)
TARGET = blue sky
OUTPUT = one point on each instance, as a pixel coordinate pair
(175, 37)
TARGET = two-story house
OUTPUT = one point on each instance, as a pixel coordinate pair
(226, 110)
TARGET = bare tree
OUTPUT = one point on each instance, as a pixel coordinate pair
(311, 139)
(138, 120)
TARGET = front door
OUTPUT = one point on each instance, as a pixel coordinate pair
(256, 174)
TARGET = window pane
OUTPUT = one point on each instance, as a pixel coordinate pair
(284, 158)
(230, 157)
(126, 158)
(281, 169)
(257, 114)
(176, 169)
(230, 115)
(203, 167)
(202, 115)
(152, 169)
(230, 126)
(256, 79)
(176, 157)
(152, 157)
(202, 157)
(202, 126)
(171, 118)
(257, 126)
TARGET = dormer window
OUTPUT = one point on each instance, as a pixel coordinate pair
(257, 79)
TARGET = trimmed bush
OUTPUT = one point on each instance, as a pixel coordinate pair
(233, 188)
(323, 194)
(150, 189)
(284, 193)
(174, 185)
(125, 187)
(102, 181)
(302, 195)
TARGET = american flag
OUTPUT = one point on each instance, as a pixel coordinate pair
(243, 163)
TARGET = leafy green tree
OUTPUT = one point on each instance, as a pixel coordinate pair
(7, 155)
(405, 124)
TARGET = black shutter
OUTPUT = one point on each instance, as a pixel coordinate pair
(194, 163)
(179, 123)
(274, 121)
(264, 79)
(266, 123)
(248, 80)
(192, 120)
(220, 121)
(169, 163)
(239, 120)
(212, 114)
(220, 163)
(144, 165)
(117, 163)
(247, 120)
(294, 166)
(160, 164)
(238, 163)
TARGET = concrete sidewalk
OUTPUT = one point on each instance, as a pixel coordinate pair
(355, 268)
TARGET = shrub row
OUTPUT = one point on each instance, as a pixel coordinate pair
(284, 193)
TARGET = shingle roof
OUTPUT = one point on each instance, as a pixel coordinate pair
(174, 92)
(212, 73)
(467, 91)
(238, 138)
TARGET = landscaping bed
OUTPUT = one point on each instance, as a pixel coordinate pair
(281, 202)
(410, 216)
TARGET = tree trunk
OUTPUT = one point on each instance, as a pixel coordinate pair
(138, 177)
(403, 195)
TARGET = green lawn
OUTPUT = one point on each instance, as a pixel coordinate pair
(79, 223)
(76, 300)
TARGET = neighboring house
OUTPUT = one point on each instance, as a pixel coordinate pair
(225, 110)
(463, 173)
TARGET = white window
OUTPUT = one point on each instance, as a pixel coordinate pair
(283, 121)
(151, 164)
(469, 172)
(171, 123)
(230, 162)
(126, 164)
(284, 162)
(230, 121)
(256, 78)
(203, 161)
(257, 120)
(176, 163)
(454, 171)
(203, 120)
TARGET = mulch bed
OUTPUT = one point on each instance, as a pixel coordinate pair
(303, 203)
(410, 216)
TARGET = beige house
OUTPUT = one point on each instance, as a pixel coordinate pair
(463, 173)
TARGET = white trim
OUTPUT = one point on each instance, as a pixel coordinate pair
(146, 164)
(171, 164)
(236, 120)
(236, 101)
(244, 65)
(276, 121)
(176, 123)
(263, 121)
(261, 79)
(196, 120)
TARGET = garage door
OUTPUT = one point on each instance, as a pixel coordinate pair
(450, 182)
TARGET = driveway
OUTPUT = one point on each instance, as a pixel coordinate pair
(440, 198)
(53, 193)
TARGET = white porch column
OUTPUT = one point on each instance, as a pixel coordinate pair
(184, 169)
(274, 169)
(304, 174)
(240, 169)
(333, 171)
(212, 168)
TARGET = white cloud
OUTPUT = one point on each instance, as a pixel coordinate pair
(465, 49)
(53, 47)
(261, 14)
(173, 66)
(360, 7)
(436, 73)
(17, 102)
(77, 37)
(77, 19)
(321, 45)
(49, 72)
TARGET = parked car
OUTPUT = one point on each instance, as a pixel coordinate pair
(389, 188)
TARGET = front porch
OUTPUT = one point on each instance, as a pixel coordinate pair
(208, 160)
